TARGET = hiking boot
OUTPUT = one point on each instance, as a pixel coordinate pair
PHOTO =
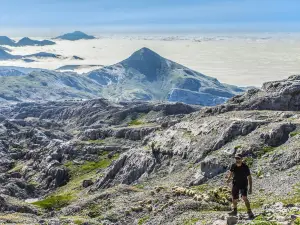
(233, 212)
(251, 215)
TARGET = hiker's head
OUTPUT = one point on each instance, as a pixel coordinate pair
(238, 158)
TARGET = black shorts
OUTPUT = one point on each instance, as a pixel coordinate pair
(236, 190)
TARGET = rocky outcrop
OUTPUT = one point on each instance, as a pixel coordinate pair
(6, 206)
(278, 135)
(55, 175)
(134, 134)
(277, 95)
(210, 167)
(128, 169)
(235, 129)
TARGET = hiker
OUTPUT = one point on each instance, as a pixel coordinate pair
(241, 178)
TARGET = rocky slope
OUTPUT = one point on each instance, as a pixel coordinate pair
(98, 162)
(50, 85)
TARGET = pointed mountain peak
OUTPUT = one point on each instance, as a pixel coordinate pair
(147, 62)
(25, 38)
(145, 53)
(78, 32)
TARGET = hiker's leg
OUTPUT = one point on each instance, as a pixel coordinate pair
(235, 198)
(244, 192)
(234, 203)
(249, 211)
(247, 203)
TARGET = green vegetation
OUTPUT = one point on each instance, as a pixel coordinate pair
(17, 168)
(143, 220)
(140, 186)
(78, 222)
(96, 208)
(237, 147)
(33, 183)
(191, 221)
(76, 170)
(256, 203)
(259, 173)
(249, 161)
(201, 188)
(89, 166)
(294, 133)
(265, 150)
(295, 196)
(257, 222)
(135, 122)
(54, 202)
(99, 141)
(86, 171)
(261, 220)
(297, 221)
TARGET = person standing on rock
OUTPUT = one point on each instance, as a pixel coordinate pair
(241, 178)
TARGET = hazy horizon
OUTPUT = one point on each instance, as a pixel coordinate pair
(263, 41)
(50, 18)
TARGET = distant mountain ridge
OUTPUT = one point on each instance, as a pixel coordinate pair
(145, 75)
(24, 70)
(6, 72)
(7, 56)
(29, 42)
(24, 42)
(74, 36)
(6, 41)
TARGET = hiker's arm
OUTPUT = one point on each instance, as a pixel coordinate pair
(228, 176)
(250, 183)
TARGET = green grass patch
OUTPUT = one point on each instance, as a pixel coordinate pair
(191, 221)
(78, 222)
(86, 171)
(259, 173)
(297, 221)
(99, 141)
(139, 186)
(143, 220)
(89, 166)
(255, 203)
(54, 202)
(294, 197)
(104, 162)
(17, 168)
(135, 122)
(258, 222)
(294, 133)
(237, 147)
(262, 220)
(201, 188)
(265, 150)
(249, 161)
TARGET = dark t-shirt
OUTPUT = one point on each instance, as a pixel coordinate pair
(240, 174)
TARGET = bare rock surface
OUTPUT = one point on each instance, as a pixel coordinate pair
(98, 162)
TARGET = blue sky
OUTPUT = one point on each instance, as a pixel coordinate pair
(149, 15)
